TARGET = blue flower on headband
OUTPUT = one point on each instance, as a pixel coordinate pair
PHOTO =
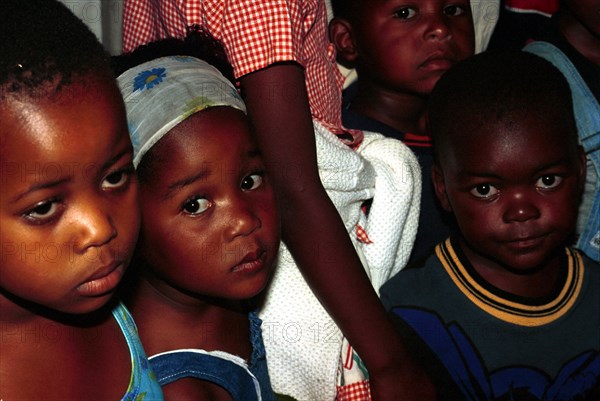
(149, 78)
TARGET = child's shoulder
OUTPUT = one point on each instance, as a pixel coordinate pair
(587, 261)
(591, 270)
(415, 282)
(47, 356)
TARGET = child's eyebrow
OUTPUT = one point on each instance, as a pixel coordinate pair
(182, 183)
(49, 184)
(40, 185)
(253, 153)
(553, 164)
(491, 175)
(114, 159)
(473, 173)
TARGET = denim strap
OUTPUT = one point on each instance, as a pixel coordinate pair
(235, 378)
(587, 117)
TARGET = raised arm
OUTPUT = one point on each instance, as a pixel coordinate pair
(278, 106)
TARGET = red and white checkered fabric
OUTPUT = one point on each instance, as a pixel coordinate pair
(256, 34)
(362, 235)
(359, 391)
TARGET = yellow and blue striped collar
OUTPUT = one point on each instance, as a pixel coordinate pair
(510, 310)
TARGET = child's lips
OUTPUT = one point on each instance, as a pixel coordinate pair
(252, 262)
(437, 61)
(526, 242)
(103, 281)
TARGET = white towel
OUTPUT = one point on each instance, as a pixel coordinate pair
(302, 342)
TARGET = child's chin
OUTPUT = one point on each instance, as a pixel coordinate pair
(526, 264)
(251, 291)
(86, 307)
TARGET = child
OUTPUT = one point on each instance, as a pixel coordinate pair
(286, 71)
(505, 310)
(399, 52)
(68, 215)
(572, 43)
(210, 229)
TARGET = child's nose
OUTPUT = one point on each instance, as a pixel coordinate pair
(520, 208)
(95, 225)
(243, 219)
(437, 27)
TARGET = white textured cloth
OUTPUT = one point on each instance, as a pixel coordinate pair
(302, 342)
(161, 93)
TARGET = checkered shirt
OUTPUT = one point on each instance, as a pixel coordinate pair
(359, 391)
(256, 34)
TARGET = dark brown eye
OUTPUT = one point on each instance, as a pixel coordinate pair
(549, 181)
(43, 209)
(484, 191)
(195, 206)
(454, 10)
(44, 212)
(251, 182)
(405, 13)
(117, 179)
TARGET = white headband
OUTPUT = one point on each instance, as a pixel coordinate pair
(161, 93)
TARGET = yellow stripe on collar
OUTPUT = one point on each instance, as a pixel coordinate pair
(511, 311)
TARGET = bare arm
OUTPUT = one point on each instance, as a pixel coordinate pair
(278, 107)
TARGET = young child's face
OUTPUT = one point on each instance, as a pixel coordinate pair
(514, 191)
(69, 214)
(209, 220)
(407, 46)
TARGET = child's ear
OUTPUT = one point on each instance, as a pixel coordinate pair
(437, 175)
(340, 34)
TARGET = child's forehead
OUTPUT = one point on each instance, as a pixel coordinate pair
(211, 134)
(361, 4)
(32, 122)
(85, 113)
(516, 137)
(213, 148)
(211, 128)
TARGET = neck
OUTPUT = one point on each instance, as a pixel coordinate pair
(201, 322)
(150, 288)
(17, 311)
(404, 112)
(580, 37)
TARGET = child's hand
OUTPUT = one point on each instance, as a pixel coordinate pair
(407, 384)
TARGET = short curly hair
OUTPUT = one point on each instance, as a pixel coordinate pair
(44, 48)
(346, 9)
(198, 43)
(499, 86)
